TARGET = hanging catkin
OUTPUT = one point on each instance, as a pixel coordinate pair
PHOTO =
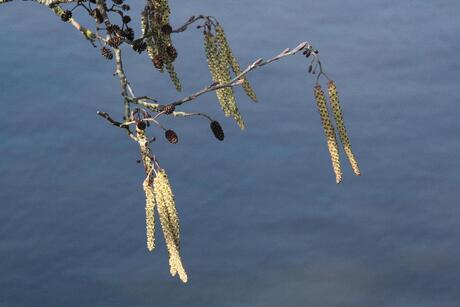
(147, 185)
(149, 214)
(328, 131)
(219, 69)
(340, 124)
(166, 207)
(227, 51)
(213, 64)
(173, 75)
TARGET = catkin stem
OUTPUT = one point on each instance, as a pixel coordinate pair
(328, 131)
(335, 105)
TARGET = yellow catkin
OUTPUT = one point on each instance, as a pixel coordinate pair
(335, 104)
(328, 131)
(168, 199)
(169, 222)
(149, 214)
(147, 185)
(224, 45)
(219, 69)
(213, 64)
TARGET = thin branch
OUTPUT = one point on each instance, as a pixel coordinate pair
(117, 124)
(238, 79)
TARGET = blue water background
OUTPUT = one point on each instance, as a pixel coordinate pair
(263, 222)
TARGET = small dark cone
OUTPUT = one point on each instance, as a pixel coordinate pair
(66, 15)
(97, 15)
(117, 1)
(158, 61)
(106, 53)
(128, 33)
(126, 19)
(115, 41)
(141, 125)
(216, 128)
(139, 46)
(113, 29)
(172, 52)
(168, 109)
(171, 136)
(166, 29)
(125, 7)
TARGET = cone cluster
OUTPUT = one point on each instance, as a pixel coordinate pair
(329, 130)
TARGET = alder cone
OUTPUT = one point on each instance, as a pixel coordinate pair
(158, 61)
(216, 128)
(106, 53)
(66, 15)
(171, 136)
(172, 52)
(168, 109)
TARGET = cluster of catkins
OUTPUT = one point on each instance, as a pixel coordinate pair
(156, 31)
(221, 60)
(329, 130)
(159, 196)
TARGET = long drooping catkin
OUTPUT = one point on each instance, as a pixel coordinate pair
(149, 214)
(227, 51)
(167, 198)
(212, 57)
(147, 185)
(173, 76)
(340, 124)
(169, 222)
(219, 69)
(328, 131)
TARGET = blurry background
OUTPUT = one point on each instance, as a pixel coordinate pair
(264, 223)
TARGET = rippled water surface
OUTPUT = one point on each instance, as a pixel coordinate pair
(263, 222)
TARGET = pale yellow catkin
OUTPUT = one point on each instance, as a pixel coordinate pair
(328, 131)
(219, 70)
(149, 214)
(169, 222)
(231, 59)
(335, 105)
(167, 198)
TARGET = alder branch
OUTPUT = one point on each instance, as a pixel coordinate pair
(236, 81)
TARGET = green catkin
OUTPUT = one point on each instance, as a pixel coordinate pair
(145, 26)
(160, 42)
(227, 51)
(173, 75)
(219, 69)
(328, 131)
(340, 124)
